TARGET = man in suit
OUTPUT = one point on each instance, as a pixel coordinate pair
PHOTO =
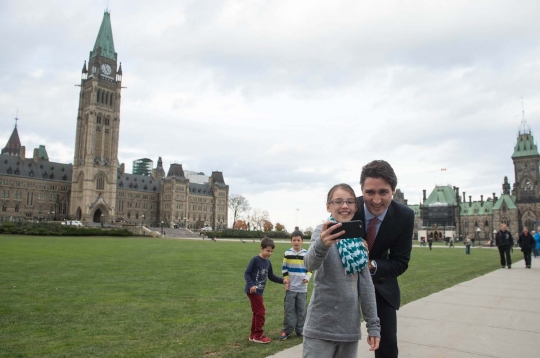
(389, 230)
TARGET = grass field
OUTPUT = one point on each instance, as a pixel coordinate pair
(141, 297)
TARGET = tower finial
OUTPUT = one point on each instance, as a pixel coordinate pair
(524, 126)
(16, 118)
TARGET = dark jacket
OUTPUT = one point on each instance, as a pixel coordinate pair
(392, 249)
(504, 239)
(526, 243)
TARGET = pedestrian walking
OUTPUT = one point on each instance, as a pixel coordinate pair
(430, 242)
(527, 243)
(467, 243)
(504, 242)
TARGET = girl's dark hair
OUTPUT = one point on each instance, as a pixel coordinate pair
(343, 186)
(267, 242)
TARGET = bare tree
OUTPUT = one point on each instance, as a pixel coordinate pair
(239, 205)
(258, 217)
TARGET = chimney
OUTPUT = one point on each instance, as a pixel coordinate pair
(494, 198)
(457, 194)
(22, 153)
(405, 201)
(36, 153)
(424, 198)
(481, 200)
(464, 198)
(470, 200)
(122, 168)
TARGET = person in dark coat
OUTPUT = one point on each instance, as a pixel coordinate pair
(504, 242)
(527, 243)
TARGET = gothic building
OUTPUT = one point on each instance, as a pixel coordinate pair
(447, 212)
(95, 188)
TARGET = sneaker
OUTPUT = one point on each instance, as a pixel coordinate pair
(262, 339)
(250, 338)
(284, 336)
(509, 267)
(301, 335)
(502, 266)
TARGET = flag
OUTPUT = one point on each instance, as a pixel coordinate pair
(443, 169)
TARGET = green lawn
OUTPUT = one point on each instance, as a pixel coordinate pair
(142, 297)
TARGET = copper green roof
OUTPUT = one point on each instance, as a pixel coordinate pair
(441, 195)
(42, 152)
(476, 208)
(525, 146)
(415, 208)
(507, 199)
(104, 43)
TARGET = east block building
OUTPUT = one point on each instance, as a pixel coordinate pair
(95, 188)
(448, 212)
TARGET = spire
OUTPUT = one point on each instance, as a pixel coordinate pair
(13, 146)
(119, 72)
(84, 70)
(524, 127)
(525, 145)
(104, 45)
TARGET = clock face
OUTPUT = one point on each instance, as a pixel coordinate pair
(106, 69)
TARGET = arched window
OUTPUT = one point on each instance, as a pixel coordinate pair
(100, 182)
(111, 102)
(466, 223)
(98, 120)
(129, 215)
(475, 223)
(107, 98)
(4, 207)
(17, 208)
(486, 223)
(98, 95)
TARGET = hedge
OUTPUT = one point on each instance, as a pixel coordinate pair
(56, 229)
(243, 234)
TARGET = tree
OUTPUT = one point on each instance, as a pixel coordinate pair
(240, 225)
(239, 205)
(280, 227)
(258, 217)
(308, 231)
(268, 226)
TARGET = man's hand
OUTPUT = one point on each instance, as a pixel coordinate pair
(253, 289)
(373, 343)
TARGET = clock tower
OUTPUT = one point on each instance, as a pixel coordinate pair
(93, 189)
(526, 167)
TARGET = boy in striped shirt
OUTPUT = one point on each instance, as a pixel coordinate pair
(295, 297)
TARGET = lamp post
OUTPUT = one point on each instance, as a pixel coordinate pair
(162, 231)
(102, 220)
(478, 235)
(494, 236)
(142, 223)
(185, 222)
(52, 212)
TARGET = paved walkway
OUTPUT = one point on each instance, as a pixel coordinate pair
(495, 315)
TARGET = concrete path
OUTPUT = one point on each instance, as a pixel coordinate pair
(495, 315)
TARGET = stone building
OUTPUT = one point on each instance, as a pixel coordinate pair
(95, 188)
(447, 212)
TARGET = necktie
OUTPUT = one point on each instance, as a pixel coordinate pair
(372, 232)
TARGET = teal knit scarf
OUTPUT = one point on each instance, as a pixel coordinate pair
(353, 253)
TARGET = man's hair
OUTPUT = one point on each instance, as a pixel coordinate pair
(297, 233)
(267, 242)
(379, 169)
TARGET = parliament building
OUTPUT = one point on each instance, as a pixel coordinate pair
(95, 188)
(447, 212)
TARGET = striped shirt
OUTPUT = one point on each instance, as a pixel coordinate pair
(293, 267)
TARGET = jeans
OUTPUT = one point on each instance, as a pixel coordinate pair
(505, 251)
(536, 253)
(468, 249)
(295, 312)
(259, 313)
(527, 257)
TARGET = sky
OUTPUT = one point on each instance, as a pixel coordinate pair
(288, 98)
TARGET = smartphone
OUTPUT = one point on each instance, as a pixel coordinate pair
(353, 229)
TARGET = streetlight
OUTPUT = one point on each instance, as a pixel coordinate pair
(162, 231)
(494, 236)
(478, 235)
(142, 220)
(101, 220)
(185, 222)
(53, 215)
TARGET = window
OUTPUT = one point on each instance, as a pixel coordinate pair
(4, 207)
(17, 208)
(100, 182)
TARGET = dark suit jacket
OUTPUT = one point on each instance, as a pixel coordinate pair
(392, 248)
